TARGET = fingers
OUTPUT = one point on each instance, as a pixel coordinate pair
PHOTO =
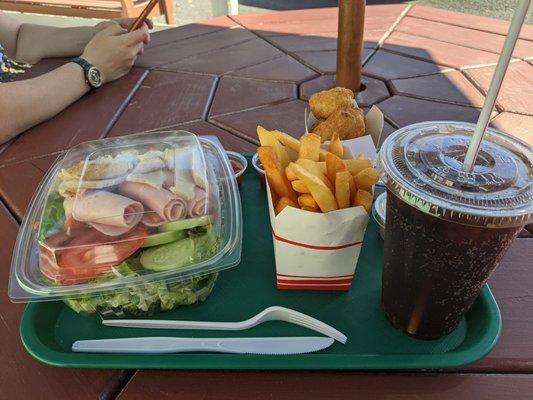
(149, 23)
(128, 22)
(138, 49)
(141, 35)
(112, 30)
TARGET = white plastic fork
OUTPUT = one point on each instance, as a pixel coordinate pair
(274, 313)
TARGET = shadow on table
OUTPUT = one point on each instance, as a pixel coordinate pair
(406, 82)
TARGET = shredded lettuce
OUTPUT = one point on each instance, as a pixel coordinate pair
(145, 298)
(53, 216)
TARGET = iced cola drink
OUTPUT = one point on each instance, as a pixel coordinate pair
(447, 230)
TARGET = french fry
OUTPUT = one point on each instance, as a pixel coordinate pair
(294, 143)
(319, 190)
(267, 138)
(311, 209)
(356, 166)
(287, 140)
(322, 166)
(291, 176)
(293, 155)
(342, 189)
(282, 203)
(353, 187)
(282, 154)
(313, 168)
(363, 198)
(299, 186)
(275, 173)
(309, 147)
(366, 178)
(361, 156)
(335, 145)
(333, 165)
(306, 200)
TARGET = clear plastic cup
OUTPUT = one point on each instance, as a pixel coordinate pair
(447, 230)
(130, 226)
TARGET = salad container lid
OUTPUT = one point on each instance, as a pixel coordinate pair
(164, 205)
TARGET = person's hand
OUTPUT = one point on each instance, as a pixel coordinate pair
(123, 22)
(113, 51)
(127, 22)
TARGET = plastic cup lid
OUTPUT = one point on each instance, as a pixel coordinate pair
(422, 165)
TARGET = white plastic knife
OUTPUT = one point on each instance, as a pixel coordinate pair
(165, 345)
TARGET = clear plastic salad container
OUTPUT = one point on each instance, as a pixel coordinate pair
(130, 225)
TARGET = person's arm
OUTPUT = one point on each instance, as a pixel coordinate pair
(29, 102)
(30, 43)
(26, 103)
(9, 30)
(36, 42)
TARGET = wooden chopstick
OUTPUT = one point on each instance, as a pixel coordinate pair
(143, 15)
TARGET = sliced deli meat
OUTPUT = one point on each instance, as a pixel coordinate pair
(180, 180)
(167, 205)
(198, 205)
(152, 219)
(198, 168)
(109, 213)
(155, 178)
(149, 162)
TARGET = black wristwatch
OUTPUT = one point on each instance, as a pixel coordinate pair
(93, 77)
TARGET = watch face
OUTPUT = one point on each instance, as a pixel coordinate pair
(94, 77)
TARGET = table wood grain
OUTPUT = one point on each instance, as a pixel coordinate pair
(325, 385)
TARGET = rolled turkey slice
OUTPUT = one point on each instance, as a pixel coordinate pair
(152, 219)
(198, 206)
(168, 206)
(107, 212)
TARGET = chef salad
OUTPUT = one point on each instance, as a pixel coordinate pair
(127, 214)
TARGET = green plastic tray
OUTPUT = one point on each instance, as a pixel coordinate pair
(48, 329)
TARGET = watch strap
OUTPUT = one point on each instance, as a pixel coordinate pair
(86, 66)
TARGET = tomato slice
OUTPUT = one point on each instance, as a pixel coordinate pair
(86, 253)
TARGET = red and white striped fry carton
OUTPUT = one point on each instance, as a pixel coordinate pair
(315, 251)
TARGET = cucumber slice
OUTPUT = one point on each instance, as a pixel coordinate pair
(182, 252)
(163, 238)
(173, 255)
(185, 224)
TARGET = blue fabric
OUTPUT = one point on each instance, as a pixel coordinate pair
(8, 68)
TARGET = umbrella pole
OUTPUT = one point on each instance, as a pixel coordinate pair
(350, 43)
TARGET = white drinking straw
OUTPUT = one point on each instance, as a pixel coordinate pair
(495, 85)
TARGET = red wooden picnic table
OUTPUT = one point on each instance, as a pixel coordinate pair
(225, 76)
